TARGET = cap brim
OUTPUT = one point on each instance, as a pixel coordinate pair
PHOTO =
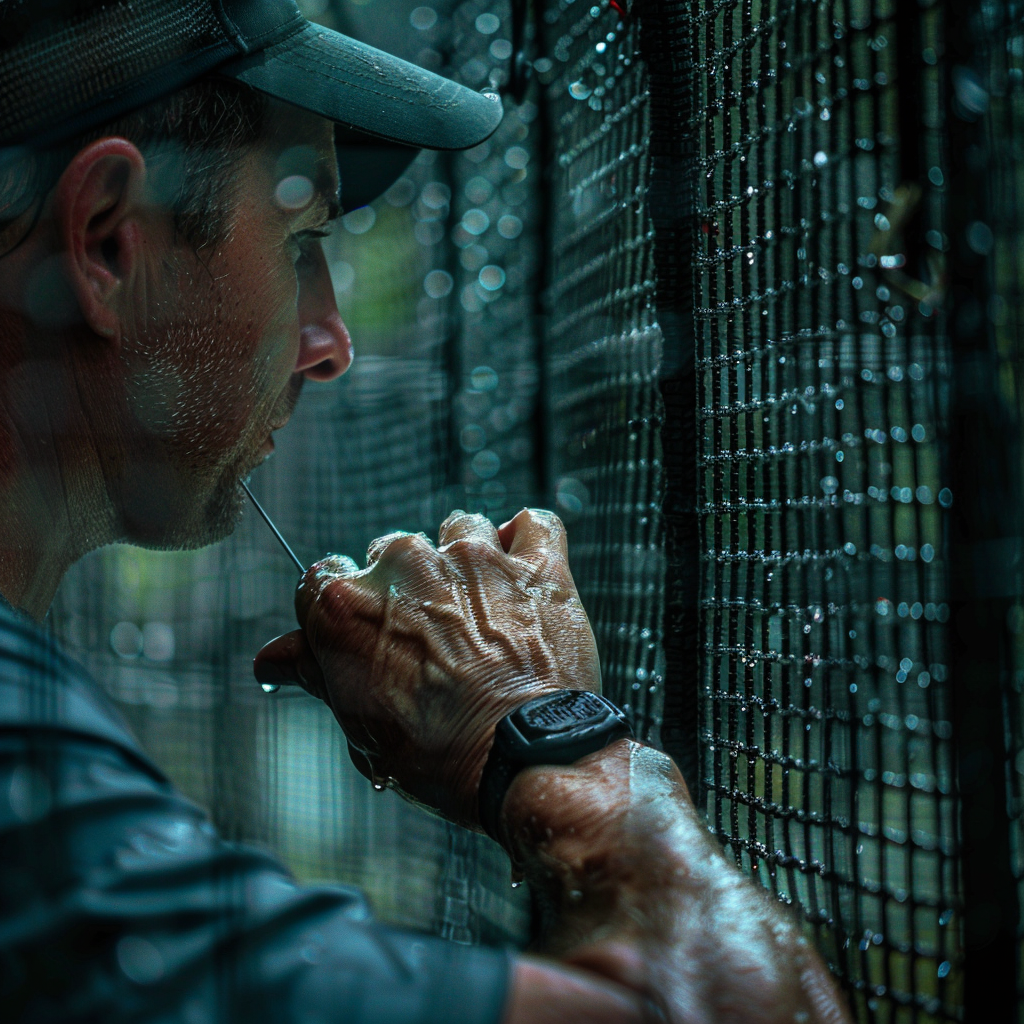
(365, 89)
(368, 166)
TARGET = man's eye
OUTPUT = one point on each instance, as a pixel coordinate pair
(306, 247)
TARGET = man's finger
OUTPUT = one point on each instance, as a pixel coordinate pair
(289, 660)
(534, 534)
(322, 575)
(467, 526)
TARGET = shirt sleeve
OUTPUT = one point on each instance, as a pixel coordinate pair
(119, 902)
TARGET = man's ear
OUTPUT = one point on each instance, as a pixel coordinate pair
(98, 208)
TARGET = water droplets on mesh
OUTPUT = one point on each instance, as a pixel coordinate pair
(791, 527)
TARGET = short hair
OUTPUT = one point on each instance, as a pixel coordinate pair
(197, 135)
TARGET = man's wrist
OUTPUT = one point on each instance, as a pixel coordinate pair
(544, 802)
(556, 728)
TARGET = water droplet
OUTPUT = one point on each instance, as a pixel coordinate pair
(476, 221)
(358, 222)
(492, 277)
(438, 283)
(483, 378)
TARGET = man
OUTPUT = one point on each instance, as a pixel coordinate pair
(167, 171)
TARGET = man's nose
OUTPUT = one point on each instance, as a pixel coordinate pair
(325, 348)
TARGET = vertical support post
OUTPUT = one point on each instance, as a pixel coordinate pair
(984, 534)
(665, 45)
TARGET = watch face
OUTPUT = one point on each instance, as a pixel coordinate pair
(561, 711)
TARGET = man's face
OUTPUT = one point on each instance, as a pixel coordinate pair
(216, 359)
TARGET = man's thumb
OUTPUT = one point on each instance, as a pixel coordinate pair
(289, 661)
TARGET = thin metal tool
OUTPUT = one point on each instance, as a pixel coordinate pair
(277, 532)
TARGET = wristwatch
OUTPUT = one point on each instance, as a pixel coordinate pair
(556, 729)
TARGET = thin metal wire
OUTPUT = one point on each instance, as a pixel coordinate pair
(274, 529)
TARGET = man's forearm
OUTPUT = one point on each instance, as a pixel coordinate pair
(632, 886)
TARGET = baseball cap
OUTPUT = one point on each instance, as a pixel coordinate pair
(67, 66)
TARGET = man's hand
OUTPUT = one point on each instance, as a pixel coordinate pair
(420, 654)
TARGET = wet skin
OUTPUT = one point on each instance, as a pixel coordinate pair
(148, 379)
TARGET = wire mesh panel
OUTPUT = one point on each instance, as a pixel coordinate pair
(603, 345)
(823, 388)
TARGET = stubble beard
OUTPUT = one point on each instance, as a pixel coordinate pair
(204, 413)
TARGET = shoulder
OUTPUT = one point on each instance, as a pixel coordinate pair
(45, 695)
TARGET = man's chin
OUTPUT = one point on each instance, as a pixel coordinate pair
(169, 517)
(222, 515)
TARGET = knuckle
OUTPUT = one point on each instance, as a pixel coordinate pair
(465, 523)
(541, 517)
(324, 575)
(455, 517)
(406, 546)
(382, 543)
(548, 518)
(331, 566)
(468, 548)
(476, 520)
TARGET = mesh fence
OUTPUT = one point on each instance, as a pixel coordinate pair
(825, 724)
(603, 344)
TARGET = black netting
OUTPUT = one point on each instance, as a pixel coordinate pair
(603, 345)
(823, 368)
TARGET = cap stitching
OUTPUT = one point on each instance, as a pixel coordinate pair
(257, 43)
(230, 28)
